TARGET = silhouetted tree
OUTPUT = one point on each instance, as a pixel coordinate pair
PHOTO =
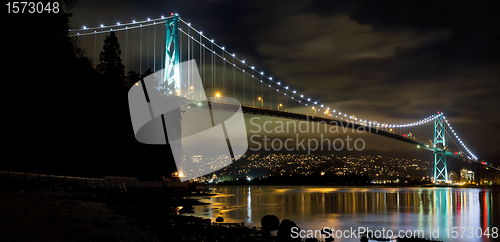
(132, 78)
(111, 66)
(146, 73)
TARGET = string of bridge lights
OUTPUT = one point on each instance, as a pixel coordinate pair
(120, 26)
(305, 101)
(459, 140)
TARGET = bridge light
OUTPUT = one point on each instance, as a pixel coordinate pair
(223, 48)
(84, 27)
(252, 67)
(102, 25)
(262, 73)
(279, 83)
(149, 19)
(133, 21)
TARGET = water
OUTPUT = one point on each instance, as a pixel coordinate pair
(438, 213)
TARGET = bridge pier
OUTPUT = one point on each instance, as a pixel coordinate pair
(440, 168)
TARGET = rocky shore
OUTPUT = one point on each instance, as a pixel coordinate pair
(113, 215)
(110, 215)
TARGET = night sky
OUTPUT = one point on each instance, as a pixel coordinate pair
(390, 61)
(393, 61)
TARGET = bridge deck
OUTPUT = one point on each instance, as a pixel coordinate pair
(330, 121)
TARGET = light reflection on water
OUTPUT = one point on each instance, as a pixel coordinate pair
(315, 207)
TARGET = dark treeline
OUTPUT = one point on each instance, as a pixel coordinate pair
(61, 115)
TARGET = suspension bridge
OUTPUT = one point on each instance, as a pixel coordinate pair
(163, 43)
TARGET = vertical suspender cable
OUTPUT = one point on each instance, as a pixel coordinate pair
(133, 49)
(154, 48)
(189, 58)
(148, 49)
(140, 53)
(213, 68)
(126, 50)
(253, 90)
(243, 68)
(95, 50)
(234, 80)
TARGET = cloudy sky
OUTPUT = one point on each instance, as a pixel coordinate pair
(391, 61)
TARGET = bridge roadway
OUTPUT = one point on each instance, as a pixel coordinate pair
(317, 119)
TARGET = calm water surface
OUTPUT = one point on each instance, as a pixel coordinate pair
(431, 210)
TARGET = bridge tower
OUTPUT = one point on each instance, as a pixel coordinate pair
(172, 76)
(440, 168)
(172, 73)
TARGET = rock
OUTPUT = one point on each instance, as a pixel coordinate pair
(270, 222)
(285, 231)
(219, 219)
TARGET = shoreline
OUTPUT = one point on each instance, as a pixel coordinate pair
(350, 186)
(112, 215)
